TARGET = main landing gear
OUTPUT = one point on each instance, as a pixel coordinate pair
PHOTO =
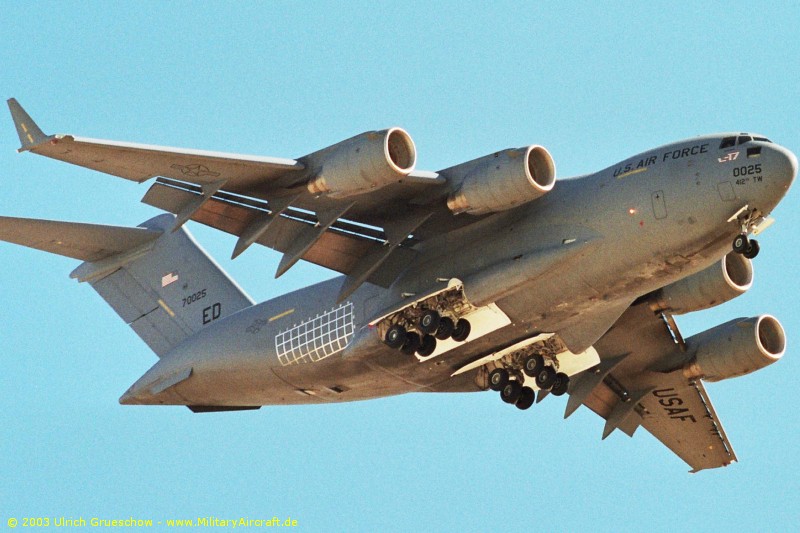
(427, 328)
(743, 245)
(510, 383)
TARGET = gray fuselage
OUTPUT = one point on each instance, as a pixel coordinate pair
(567, 263)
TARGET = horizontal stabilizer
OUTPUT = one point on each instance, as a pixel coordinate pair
(87, 242)
(29, 133)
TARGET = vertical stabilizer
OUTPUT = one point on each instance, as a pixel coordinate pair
(172, 291)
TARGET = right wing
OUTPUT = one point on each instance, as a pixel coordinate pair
(628, 392)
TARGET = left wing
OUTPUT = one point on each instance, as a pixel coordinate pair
(140, 162)
(266, 200)
(628, 390)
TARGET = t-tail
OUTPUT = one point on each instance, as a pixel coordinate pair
(160, 282)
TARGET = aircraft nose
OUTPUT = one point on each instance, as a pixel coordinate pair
(786, 167)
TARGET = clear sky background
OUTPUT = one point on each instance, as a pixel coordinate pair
(594, 84)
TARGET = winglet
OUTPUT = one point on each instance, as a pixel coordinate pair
(29, 133)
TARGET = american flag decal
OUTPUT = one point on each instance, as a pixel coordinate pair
(168, 278)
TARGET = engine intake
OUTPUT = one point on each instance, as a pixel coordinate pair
(732, 276)
(362, 163)
(735, 348)
(503, 180)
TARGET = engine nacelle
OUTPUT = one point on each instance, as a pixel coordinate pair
(735, 348)
(722, 281)
(362, 163)
(504, 180)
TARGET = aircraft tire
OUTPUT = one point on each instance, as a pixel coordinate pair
(526, 398)
(752, 250)
(498, 379)
(560, 385)
(463, 329)
(395, 336)
(532, 365)
(445, 329)
(511, 392)
(429, 322)
(740, 244)
(427, 347)
(545, 378)
(413, 342)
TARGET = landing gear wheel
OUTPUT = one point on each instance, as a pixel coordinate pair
(752, 250)
(412, 344)
(526, 398)
(498, 378)
(427, 347)
(560, 384)
(446, 328)
(740, 244)
(463, 328)
(511, 392)
(429, 322)
(532, 365)
(395, 336)
(545, 377)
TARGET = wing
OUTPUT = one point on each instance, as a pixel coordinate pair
(628, 393)
(140, 162)
(265, 200)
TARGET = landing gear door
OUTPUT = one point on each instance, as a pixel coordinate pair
(659, 207)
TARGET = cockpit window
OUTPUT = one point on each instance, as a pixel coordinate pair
(744, 138)
(727, 142)
(762, 139)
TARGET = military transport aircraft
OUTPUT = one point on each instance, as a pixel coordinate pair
(484, 275)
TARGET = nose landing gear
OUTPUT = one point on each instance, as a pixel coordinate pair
(746, 247)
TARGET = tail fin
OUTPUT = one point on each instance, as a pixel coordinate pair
(162, 284)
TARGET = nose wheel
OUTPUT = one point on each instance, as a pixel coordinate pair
(746, 247)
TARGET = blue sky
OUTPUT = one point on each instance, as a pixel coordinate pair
(594, 84)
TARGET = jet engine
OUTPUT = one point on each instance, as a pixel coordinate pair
(735, 348)
(362, 163)
(722, 281)
(503, 180)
